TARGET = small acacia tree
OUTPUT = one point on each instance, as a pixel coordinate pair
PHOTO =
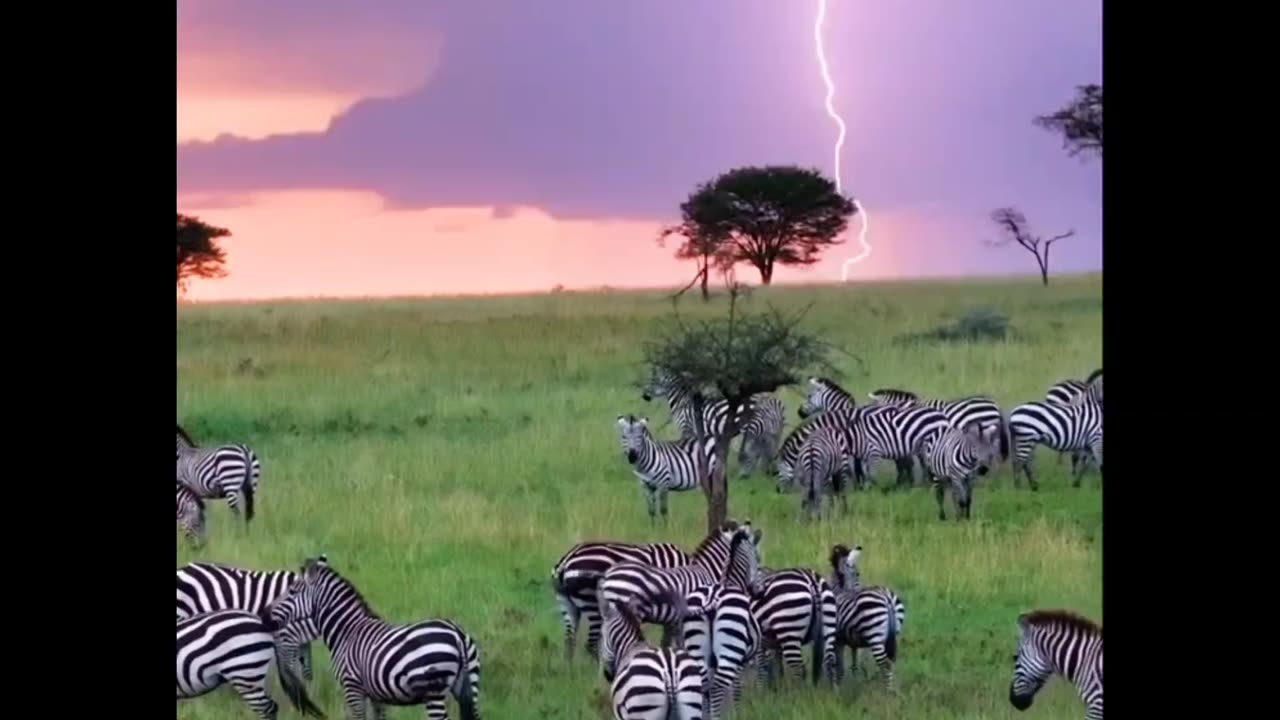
(1079, 122)
(733, 358)
(766, 216)
(198, 253)
(705, 247)
(1016, 230)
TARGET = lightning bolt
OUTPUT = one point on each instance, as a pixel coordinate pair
(831, 113)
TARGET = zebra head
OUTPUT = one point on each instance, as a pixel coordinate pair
(1031, 665)
(634, 435)
(987, 445)
(845, 576)
(744, 565)
(823, 395)
(661, 384)
(620, 631)
(293, 613)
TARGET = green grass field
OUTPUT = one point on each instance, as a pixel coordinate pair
(445, 452)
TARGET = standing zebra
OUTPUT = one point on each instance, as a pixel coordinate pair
(649, 683)
(205, 587)
(1076, 427)
(825, 395)
(725, 638)
(230, 471)
(184, 441)
(660, 465)
(191, 515)
(823, 469)
(898, 433)
(378, 662)
(1067, 391)
(1057, 642)
(959, 412)
(866, 617)
(789, 454)
(959, 455)
(235, 648)
(795, 606)
(578, 572)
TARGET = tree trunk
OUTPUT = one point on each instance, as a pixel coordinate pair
(718, 492)
(1044, 268)
(766, 272)
(706, 271)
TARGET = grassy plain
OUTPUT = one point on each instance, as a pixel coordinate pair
(445, 452)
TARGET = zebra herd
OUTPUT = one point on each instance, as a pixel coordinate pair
(838, 442)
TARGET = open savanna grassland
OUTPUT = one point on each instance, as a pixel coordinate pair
(445, 452)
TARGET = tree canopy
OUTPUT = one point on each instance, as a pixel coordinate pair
(765, 216)
(198, 253)
(1079, 122)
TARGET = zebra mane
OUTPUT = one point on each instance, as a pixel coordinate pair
(191, 442)
(322, 569)
(831, 385)
(1059, 618)
(1093, 376)
(893, 392)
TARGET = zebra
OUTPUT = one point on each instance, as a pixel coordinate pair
(823, 469)
(205, 587)
(866, 617)
(577, 573)
(184, 441)
(235, 648)
(959, 455)
(661, 466)
(649, 683)
(1065, 392)
(725, 638)
(759, 421)
(789, 454)
(899, 433)
(376, 661)
(795, 607)
(730, 555)
(1075, 428)
(960, 412)
(826, 395)
(230, 471)
(191, 515)
(1061, 642)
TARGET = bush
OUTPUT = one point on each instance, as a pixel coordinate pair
(975, 325)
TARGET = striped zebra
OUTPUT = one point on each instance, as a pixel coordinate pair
(661, 466)
(960, 412)
(823, 470)
(184, 441)
(900, 433)
(236, 648)
(825, 395)
(577, 573)
(729, 555)
(789, 454)
(205, 587)
(228, 471)
(959, 455)
(191, 515)
(795, 607)
(378, 662)
(1074, 428)
(1064, 393)
(649, 683)
(759, 422)
(725, 638)
(1058, 642)
(866, 617)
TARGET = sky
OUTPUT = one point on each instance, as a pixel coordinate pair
(409, 147)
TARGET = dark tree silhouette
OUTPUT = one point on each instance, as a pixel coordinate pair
(708, 250)
(778, 214)
(198, 254)
(1014, 224)
(1079, 122)
(732, 358)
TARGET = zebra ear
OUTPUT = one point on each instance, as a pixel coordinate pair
(854, 554)
(1023, 621)
(644, 421)
(622, 421)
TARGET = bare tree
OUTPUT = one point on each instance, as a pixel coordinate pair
(1014, 224)
(706, 247)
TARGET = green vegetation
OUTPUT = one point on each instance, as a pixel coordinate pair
(446, 452)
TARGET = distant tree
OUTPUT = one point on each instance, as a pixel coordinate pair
(732, 358)
(765, 216)
(1016, 230)
(198, 253)
(707, 249)
(1079, 122)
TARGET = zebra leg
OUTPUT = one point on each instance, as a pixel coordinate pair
(651, 502)
(938, 494)
(571, 615)
(353, 698)
(884, 663)
(304, 661)
(253, 690)
(380, 711)
(436, 707)
(662, 503)
(593, 632)
(837, 667)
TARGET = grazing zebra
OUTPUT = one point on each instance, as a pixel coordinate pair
(899, 433)
(795, 607)
(649, 683)
(866, 617)
(789, 454)
(827, 396)
(729, 555)
(759, 422)
(959, 455)
(377, 661)
(725, 639)
(661, 466)
(1057, 642)
(1075, 428)
(230, 471)
(823, 469)
(959, 412)
(184, 441)
(191, 515)
(235, 648)
(577, 573)
(205, 587)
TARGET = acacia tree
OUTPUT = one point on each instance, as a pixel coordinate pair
(733, 358)
(198, 253)
(1016, 229)
(707, 249)
(1079, 122)
(765, 216)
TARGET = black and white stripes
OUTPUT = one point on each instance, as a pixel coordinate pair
(647, 683)
(960, 454)
(823, 470)
(866, 617)
(725, 638)
(1057, 642)
(795, 607)
(1074, 428)
(900, 433)
(191, 515)
(231, 471)
(661, 466)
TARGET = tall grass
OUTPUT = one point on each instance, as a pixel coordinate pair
(445, 453)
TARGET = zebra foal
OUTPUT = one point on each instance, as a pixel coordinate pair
(227, 471)
(1057, 642)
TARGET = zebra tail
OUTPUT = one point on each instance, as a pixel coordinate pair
(246, 487)
(465, 690)
(294, 688)
(1002, 428)
(817, 635)
(891, 636)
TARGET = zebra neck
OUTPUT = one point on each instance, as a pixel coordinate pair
(1072, 660)
(338, 620)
